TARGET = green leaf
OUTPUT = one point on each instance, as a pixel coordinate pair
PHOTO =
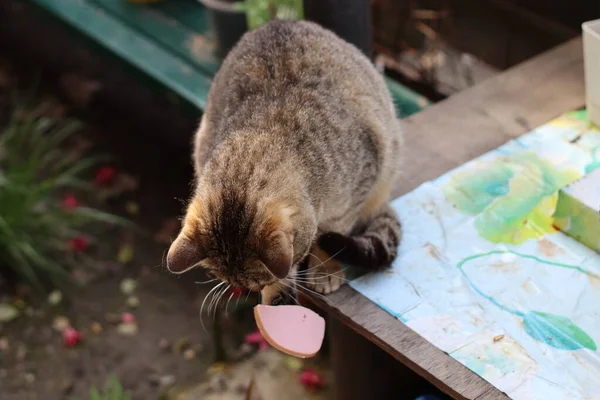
(8, 312)
(94, 395)
(557, 331)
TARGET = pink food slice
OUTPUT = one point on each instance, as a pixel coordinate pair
(295, 330)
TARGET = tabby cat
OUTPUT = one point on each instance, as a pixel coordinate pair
(295, 156)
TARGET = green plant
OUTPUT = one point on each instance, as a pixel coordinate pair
(40, 232)
(113, 391)
(259, 12)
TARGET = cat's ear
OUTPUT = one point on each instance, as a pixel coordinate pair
(277, 254)
(184, 254)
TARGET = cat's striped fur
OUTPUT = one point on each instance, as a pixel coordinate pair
(299, 140)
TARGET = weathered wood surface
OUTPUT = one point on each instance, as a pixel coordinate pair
(445, 136)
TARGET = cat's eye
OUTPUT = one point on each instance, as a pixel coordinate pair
(277, 301)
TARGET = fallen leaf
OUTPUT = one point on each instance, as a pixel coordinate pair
(80, 145)
(181, 344)
(112, 318)
(163, 344)
(19, 303)
(61, 323)
(79, 90)
(51, 108)
(168, 231)
(96, 327)
(189, 354)
(128, 286)
(128, 329)
(122, 183)
(132, 207)
(55, 297)
(125, 254)
(216, 368)
(8, 312)
(83, 276)
(21, 353)
(294, 364)
(133, 302)
(498, 338)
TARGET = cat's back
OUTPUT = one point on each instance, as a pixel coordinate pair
(300, 65)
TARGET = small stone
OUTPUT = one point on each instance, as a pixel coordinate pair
(128, 329)
(55, 298)
(21, 353)
(29, 378)
(96, 327)
(166, 380)
(112, 318)
(67, 387)
(128, 286)
(133, 302)
(163, 344)
(125, 255)
(132, 207)
(216, 368)
(61, 323)
(8, 312)
(19, 303)
(294, 364)
(189, 354)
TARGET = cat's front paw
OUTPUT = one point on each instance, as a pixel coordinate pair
(324, 274)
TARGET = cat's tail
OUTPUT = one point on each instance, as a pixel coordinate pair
(373, 248)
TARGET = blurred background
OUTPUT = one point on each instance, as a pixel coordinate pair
(99, 100)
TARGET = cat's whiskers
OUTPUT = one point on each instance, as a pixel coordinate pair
(322, 262)
(217, 298)
(204, 301)
(205, 282)
(227, 304)
(312, 292)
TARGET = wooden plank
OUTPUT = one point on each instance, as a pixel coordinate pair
(185, 11)
(168, 30)
(443, 137)
(161, 65)
(479, 119)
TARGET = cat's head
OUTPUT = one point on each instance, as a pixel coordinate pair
(246, 242)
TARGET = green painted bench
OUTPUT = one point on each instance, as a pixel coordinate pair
(168, 42)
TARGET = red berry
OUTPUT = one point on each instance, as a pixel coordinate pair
(311, 380)
(237, 292)
(105, 175)
(257, 338)
(127, 318)
(70, 202)
(71, 337)
(79, 244)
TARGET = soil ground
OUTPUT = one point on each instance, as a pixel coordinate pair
(34, 363)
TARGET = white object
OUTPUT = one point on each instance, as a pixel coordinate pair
(591, 56)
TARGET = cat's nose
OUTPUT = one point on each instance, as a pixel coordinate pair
(182, 257)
